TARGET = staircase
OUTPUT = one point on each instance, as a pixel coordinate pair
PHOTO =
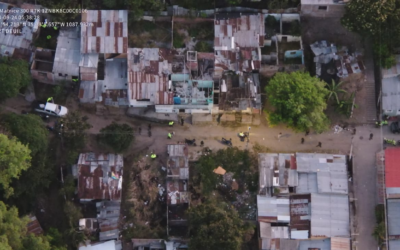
(238, 117)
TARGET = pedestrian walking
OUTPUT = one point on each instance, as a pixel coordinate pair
(354, 131)
(371, 136)
(302, 140)
(182, 121)
(140, 130)
(171, 123)
(319, 145)
(149, 133)
(307, 132)
(279, 136)
(169, 136)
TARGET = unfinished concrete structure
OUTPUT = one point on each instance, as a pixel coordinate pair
(323, 8)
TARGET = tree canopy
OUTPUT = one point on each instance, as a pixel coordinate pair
(74, 129)
(298, 100)
(215, 226)
(378, 20)
(14, 235)
(232, 160)
(14, 158)
(14, 75)
(117, 136)
(29, 130)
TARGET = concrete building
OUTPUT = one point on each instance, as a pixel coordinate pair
(391, 89)
(323, 8)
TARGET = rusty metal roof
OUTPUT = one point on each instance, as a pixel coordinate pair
(178, 161)
(300, 212)
(34, 226)
(177, 192)
(244, 32)
(338, 243)
(100, 176)
(108, 33)
(148, 71)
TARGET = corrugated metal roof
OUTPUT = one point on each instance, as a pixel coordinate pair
(299, 234)
(109, 245)
(392, 169)
(268, 163)
(330, 215)
(177, 192)
(338, 243)
(394, 244)
(109, 235)
(319, 2)
(246, 31)
(307, 183)
(331, 172)
(178, 161)
(34, 226)
(87, 92)
(148, 72)
(323, 244)
(287, 244)
(273, 209)
(89, 60)
(300, 212)
(390, 94)
(99, 176)
(10, 41)
(109, 33)
(67, 57)
(393, 215)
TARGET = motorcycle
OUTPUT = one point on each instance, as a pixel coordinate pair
(243, 135)
(190, 142)
(381, 123)
(391, 142)
(227, 142)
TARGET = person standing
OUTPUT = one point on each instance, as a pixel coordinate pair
(302, 140)
(279, 136)
(319, 145)
(307, 132)
(371, 136)
(182, 121)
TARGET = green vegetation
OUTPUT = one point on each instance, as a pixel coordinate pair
(13, 232)
(29, 130)
(344, 106)
(117, 136)
(232, 160)
(298, 100)
(295, 28)
(179, 40)
(202, 46)
(215, 226)
(334, 89)
(377, 20)
(379, 232)
(14, 158)
(14, 75)
(270, 22)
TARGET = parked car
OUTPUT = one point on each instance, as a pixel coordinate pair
(52, 109)
(394, 127)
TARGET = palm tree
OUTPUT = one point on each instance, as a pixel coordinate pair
(334, 90)
(380, 233)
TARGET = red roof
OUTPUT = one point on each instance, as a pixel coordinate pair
(392, 167)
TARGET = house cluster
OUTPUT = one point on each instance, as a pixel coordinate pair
(303, 202)
(388, 183)
(173, 80)
(99, 179)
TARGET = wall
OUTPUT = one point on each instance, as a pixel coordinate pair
(47, 78)
(334, 10)
(290, 17)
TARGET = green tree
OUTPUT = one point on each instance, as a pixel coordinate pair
(14, 158)
(367, 16)
(298, 100)
(13, 232)
(28, 129)
(215, 226)
(74, 130)
(139, 6)
(14, 75)
(379, 233)
(345, 106)
(117, 136)
(334, 89)
(56, 239)
(202, 46)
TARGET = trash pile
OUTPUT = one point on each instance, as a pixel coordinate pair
(337, 129)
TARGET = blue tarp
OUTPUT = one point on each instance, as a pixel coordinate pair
(177, 100)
